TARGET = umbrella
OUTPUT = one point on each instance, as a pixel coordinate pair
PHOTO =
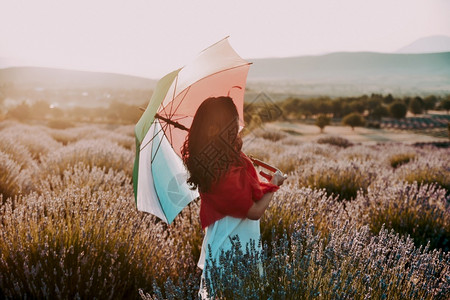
(159, 176)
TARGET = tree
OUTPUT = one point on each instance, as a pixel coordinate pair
(323, 106)
(307, 108)
(379, 112)
(40, 109)
(291, 105)
(429, 103)
(388, 99)
(416, 105)
(357, 106)
(21, 112)
(445, 104)
(398, 109)
(372, 104)
(322, 121)
(353, 120)
(336, 108)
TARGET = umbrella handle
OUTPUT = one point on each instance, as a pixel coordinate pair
(265, 175)
(171, 122)
(262, 164)
(267, 167)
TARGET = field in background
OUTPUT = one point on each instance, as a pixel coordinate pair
(307, 133)
(338, 228)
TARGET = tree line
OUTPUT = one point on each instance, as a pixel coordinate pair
(41, 110)
(373, 107)
(351, 111)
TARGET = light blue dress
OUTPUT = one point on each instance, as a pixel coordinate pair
(218, 235)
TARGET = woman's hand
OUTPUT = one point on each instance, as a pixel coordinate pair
(257, 210)
(278, 178)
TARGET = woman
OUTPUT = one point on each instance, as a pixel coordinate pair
(232, 197)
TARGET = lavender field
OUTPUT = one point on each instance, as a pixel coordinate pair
(353, 221)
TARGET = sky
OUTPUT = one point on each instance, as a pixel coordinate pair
(151, 38)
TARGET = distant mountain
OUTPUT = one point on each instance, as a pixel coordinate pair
(431, 44)
(344, 73)
(58, 78)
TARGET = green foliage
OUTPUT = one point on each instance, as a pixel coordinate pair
(379, 112)
(353, 120)
(21, 112)
(418, 211)
(252, 122)
(388, 99)
(335, 140)
(416, 105)
(397, 160)
(425, 173)
(445, 105)
(398, 109)
(40, 109)
(341, 180)
(270, 134)
(322, 121)
(291, 106)
(60, 124)
(119, 111)
(9, 177)
(376, 106)
(429, 102)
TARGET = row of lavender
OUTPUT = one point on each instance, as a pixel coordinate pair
(427, 122)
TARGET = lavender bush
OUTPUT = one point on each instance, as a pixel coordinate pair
(335, 140)
(421, 211)
(69, 227)
(348, 264)
(400, 159)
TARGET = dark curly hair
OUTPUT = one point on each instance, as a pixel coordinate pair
(213, 143)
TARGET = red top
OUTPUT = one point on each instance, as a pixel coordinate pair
(234, 194)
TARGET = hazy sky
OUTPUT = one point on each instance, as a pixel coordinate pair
(151, 38)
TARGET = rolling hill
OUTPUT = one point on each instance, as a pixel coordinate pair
(59, 79)
(344, 74)
(429, 44)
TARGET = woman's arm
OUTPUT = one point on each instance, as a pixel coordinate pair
(257, 210)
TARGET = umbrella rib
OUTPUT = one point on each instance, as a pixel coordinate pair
(179, 118)
(182, 99)
(173, 98)
(170, 133)
(151, 139)
(159, 144)
(170, 114)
